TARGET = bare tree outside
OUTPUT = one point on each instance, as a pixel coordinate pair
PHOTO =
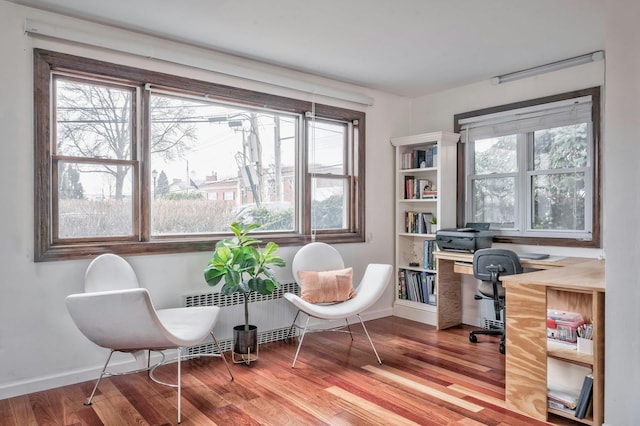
(558, 179)
(95, 136)
(96, 122)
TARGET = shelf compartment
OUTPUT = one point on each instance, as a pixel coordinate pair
(560, 413)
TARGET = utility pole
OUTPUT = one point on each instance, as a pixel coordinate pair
(278, 159)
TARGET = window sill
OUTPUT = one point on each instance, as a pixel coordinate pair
(171, 246)
(540, 241)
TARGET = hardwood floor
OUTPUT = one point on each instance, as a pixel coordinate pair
(427, 378)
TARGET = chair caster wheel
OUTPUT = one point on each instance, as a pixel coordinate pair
(502, 348)
(473, 338)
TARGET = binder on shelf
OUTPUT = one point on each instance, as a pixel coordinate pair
(584, 400)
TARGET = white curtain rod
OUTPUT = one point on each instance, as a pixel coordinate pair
(163, 53)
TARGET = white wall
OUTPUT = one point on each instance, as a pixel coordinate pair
(40, 347)
(622, 200)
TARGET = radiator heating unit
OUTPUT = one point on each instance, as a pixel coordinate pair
(272, 314)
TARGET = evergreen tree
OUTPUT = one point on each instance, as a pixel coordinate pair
(162, 186)
(70, 185)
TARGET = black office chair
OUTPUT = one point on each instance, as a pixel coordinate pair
(488, 266)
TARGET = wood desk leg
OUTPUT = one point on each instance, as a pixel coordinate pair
(526, 357)
(449, 289)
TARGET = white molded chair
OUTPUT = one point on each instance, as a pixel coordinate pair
(117, 314)
(319, 256)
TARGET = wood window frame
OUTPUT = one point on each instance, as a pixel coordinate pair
(46, 249)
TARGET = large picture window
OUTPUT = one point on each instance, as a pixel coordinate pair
(132, 161)
(531, 170)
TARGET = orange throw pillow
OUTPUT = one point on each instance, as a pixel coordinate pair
(326, 286)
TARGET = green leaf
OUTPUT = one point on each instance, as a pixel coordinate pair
(242, 265)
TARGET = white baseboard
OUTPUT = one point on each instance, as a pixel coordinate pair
(38, 384)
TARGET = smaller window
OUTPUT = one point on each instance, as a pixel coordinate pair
(93, 159)
(531, 169)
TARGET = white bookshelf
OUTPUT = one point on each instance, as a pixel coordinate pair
(409, 246)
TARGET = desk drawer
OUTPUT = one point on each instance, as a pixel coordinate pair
(463, 268)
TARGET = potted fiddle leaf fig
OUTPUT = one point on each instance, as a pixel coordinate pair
(243, 267)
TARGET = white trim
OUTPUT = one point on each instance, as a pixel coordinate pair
(162, 52)
(70, 377)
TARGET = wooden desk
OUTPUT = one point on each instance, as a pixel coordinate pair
(577, 288)
(567, 283)
(448, 281)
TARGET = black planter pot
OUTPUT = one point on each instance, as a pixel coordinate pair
(245, 343)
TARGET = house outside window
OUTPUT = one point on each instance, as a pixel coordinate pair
(143, 162)
(531, 170)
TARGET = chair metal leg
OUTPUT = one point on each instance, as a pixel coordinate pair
(221, 354)
(179, 383)
(370, 341)
(349, 328)
(304, 330)
(102, 374)
(293, 324)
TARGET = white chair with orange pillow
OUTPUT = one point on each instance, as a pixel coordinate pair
(327, 292)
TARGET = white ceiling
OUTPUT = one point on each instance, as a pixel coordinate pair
(406, 47)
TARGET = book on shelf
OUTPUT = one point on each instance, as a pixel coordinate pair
(420, 158)
(402, 285)
(560, 407)
(432, 289)
(409, 187)
(416, 286)
(417, 222)
(434, 155)
(424, 286)
(585, 397)
(423, 186)
(429, 261)
(429, 195)
(418, 189)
